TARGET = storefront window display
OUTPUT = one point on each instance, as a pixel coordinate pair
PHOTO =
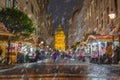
(102, 48)
(95, 51)
(98, 47)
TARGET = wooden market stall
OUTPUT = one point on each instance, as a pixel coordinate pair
(4, 35)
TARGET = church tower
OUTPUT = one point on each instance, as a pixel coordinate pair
(60, 39)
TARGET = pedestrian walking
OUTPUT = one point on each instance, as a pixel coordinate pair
(20, 58)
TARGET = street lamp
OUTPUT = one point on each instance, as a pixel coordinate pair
(112, 15)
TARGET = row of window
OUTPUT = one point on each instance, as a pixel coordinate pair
(95, 7)
(8, 3)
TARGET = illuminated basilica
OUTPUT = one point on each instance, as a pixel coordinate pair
(60, 39)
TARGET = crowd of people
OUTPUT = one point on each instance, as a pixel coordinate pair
(78, 55)
(54, 55)
(106, 56)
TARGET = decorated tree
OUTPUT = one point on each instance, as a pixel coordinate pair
(17, 23)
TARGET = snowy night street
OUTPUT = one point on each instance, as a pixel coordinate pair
(59, 39)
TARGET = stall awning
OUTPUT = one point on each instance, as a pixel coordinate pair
(4, 31)
(104, 38)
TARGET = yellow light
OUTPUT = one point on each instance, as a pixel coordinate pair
(42, 42)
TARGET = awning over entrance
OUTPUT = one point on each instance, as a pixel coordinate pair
(4, 31)
(104, 38)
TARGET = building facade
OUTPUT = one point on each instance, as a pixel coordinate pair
(76, 22)
(94, 18)
(45, 22)
(97, 20)
(73, 29)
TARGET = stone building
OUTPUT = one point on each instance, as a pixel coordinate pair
(75, 31)
(72, 32)
(94, 18)
(97, 20)
(45, 22)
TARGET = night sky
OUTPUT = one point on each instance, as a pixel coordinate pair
(61, 11)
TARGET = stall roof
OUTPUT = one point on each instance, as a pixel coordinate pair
(4, 31)
(104, 38)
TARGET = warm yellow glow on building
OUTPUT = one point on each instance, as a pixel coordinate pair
(60, 39)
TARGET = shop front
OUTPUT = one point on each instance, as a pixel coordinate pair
(4, 36)
(101, 48)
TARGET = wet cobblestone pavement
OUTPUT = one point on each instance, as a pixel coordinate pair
(55, 71)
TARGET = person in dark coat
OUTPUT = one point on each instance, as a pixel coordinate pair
(55, 54)
(20, 58)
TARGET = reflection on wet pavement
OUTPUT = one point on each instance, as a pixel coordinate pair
(61, 72)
